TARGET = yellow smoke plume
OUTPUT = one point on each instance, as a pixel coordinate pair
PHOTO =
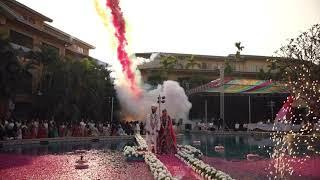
(102, 13)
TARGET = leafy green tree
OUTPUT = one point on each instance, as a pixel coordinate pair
(274, 72)
(168, 63)
(72, 88)
(15, 76)
(262, 75)
(191, 81)
(69, 88)
(40, 61)
(9, 69)
(300, 67)
(228, 66)
(192, 63)
(227, 69)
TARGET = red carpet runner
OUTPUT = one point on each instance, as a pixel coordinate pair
(177, 168)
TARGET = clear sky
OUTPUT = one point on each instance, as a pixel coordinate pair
(188, 26)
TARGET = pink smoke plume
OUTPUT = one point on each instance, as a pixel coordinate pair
(120, 32)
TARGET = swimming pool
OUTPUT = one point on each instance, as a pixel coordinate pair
(233, 159)
(236, 146)
(105, 159)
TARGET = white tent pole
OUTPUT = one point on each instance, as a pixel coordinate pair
(249, 109)
(222, 95)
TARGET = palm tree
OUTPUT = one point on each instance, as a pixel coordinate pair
(240, 48)
(228, 66)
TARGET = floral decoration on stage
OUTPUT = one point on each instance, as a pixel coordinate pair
(201, 168)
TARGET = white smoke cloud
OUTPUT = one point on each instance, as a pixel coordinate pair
(137, 108)
(154, 56)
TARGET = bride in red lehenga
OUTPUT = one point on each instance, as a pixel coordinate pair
(166, 139)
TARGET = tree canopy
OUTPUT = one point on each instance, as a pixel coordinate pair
(300, 64)
(66, 88)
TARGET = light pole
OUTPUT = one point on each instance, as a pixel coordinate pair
(249, 110)
(206, 111)
(161, 100)
(187, 85)
(111, 113)
(222, 95)
(272, 104)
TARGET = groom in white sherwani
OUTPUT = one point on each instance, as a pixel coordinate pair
(152, 129)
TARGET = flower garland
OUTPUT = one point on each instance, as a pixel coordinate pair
(201, 168)
(157, 168)
(132, 152)
(136, 152)
(141, 142)
(191, 150)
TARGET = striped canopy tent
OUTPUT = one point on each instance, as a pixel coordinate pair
(241, 86)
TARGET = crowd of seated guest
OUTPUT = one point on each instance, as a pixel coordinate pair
(11, 128)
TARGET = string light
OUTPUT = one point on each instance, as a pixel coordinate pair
(295, 148)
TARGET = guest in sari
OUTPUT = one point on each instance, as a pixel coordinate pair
(26, 133)
(42, 132)
(167, 138)
(34, 130)
(62, 129)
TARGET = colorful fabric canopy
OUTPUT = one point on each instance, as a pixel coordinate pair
(248, 86)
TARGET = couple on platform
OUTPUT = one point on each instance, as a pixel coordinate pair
(160, 135)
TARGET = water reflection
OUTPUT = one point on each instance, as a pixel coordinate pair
(65, 147)
(236, 147)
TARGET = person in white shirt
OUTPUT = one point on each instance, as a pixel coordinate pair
(36, 125)
(152, 129)
(82, 127)
(121, 132)
(95, 131)
(18, 124)
(19, 133)
(137, 128)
